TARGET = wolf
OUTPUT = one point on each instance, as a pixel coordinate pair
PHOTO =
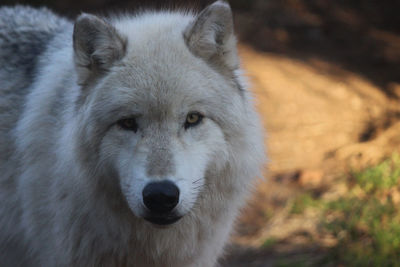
(130, 140)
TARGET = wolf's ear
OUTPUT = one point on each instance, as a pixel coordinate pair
(97, 45)
(211, 37)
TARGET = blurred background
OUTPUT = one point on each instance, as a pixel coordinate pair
(326, 78)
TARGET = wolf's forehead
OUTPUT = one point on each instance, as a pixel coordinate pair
(158, 75)
(159, 87)
(158, 68)
(160, 78)
(152, 26)
(161, 56)
(155, 38)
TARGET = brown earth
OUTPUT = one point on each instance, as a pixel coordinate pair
(326, 77)
(321, 121)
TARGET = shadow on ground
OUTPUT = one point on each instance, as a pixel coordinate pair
(358, 36)
(271, 257)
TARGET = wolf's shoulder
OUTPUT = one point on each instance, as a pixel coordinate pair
(24, 35)
(26, 18)
(25, 30)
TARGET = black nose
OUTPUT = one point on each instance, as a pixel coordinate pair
(161, 197)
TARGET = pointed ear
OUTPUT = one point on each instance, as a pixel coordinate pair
(97, 45)
(211, 37)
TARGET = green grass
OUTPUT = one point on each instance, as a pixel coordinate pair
(382, 176)
(367, 221)
(303, 262)
(302, 202)
(269, 243)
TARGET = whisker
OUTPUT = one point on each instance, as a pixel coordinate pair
(195, 182)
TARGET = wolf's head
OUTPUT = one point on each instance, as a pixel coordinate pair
(161, 109)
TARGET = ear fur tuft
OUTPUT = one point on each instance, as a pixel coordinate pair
(211, 35)
(97, 45)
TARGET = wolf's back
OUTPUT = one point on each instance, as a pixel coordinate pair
(24, 35)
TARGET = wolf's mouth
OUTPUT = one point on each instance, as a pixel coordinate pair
(163, 220)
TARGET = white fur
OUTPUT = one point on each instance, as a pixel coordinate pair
(77, 178)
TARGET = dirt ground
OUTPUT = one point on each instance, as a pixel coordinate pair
(319, 124)
(326, 80)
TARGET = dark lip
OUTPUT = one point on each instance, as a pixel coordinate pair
(162, 220)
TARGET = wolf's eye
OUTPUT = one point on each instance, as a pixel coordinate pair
(128, 124)
(193, 119)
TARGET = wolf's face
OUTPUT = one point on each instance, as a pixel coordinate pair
(162, 136)
(159, 106)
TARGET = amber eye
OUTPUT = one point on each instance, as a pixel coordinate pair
(128, 124)
(193, 119)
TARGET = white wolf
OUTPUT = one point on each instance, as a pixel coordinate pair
(128, 141)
